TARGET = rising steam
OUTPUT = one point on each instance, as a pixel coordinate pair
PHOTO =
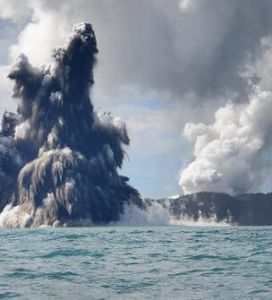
(231, 155)
(59, 157)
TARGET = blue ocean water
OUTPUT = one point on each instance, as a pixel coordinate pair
(136, 263)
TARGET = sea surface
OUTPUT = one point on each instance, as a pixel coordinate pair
(170, 262)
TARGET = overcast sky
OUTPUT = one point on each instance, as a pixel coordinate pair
(191, 78)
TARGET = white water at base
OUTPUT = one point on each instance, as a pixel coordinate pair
(157, 215)
(201, 222)
(154, 215)
(14, 217)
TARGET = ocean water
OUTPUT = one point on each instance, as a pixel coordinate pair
(167, 262)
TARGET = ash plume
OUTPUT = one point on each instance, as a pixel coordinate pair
(59, 158)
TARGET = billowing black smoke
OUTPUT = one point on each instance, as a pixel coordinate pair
(58, 157)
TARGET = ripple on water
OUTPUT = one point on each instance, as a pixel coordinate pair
(136, 263)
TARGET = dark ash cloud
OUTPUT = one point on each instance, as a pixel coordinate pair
(58, 157)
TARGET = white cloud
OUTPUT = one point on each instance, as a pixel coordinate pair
(14, 9)
(230, 155)
(39, 36)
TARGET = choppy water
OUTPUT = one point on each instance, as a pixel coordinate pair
(136, 263)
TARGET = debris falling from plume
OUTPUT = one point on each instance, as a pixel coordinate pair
(58, 157)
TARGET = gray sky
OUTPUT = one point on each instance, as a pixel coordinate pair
(161, 65)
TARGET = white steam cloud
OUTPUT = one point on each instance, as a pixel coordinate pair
(230, 155)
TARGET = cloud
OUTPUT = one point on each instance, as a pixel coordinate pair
(14, 9)
(205, 51)
(178, 46)
(231, 155)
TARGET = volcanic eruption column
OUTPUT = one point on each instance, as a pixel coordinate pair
(59, 157)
